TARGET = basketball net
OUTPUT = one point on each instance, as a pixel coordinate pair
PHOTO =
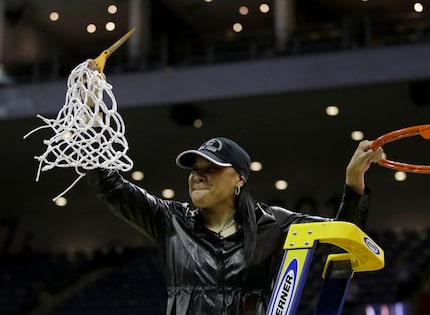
(89, 133)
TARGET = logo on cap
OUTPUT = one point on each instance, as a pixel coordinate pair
(213, 145)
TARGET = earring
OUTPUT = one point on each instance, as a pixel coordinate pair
(237, 190)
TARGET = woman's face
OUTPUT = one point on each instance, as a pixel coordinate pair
(212, 186)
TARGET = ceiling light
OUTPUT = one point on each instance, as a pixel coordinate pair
(91, 28)
(256, 166)
(332, 110)
(67, 135)
(198, 123)
(243, 10)
(400, 176)
(418, 7)
(168, 193)
(61, 201)
(281, 184)
(137, 175)
(112, 9)
(54, 16)
(110, 26)
(208, 1)
(264, 8)
(357, 135)
(237, 27)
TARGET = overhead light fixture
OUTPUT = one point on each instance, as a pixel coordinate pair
(110, 26)
(237, 27)
(357, 135)
(264, 8)
(91, 28)
(54, 16)
(68, 135)
(61, 202)
(243, 10)
(137, 175)
(332, 110)
(418, 7)
(281, 184)
(400, 176)
(112, 9)
(256, 166)
(198, 123)
(168, 193)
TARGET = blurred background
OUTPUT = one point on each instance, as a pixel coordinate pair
(297, 83)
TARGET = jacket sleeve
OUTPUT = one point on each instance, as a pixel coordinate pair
(145, 212)
(354, 207)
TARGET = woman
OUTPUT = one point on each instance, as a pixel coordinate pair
(221, 254)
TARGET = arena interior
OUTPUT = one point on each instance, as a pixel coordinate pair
(297, 83)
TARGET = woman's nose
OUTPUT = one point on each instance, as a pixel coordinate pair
(197, 176)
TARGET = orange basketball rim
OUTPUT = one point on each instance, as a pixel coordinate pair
(421, 130)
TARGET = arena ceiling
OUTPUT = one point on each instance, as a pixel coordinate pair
(31, 38)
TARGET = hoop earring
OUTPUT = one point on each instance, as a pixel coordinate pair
(237, 190)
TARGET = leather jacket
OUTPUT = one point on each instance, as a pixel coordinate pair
(204, 273)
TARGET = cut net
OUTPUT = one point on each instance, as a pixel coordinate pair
(89, 133)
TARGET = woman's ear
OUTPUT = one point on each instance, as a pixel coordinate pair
(241, 182)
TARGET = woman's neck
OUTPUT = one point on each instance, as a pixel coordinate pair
(216, 217)
(220, 222)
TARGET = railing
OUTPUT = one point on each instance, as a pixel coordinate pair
(349, 33)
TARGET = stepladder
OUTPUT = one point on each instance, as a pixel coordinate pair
(358, 253)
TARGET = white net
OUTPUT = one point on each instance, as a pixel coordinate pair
(89, 133)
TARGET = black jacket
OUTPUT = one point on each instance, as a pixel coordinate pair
(206, 274)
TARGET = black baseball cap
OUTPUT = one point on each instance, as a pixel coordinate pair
(220, 151)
